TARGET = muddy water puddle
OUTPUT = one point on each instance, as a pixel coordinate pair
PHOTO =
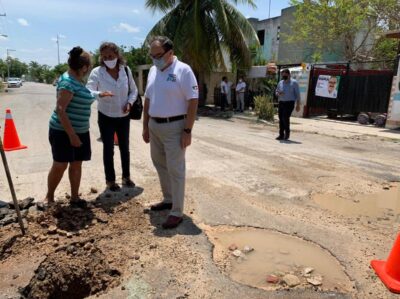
(383, 203)
(275, 254)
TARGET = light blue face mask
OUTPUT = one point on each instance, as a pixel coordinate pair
(160, 63)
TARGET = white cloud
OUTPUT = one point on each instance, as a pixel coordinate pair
(125, 27)
(136, 11)
(3, 38)
(23, 22)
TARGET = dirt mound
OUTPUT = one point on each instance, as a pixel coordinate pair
(74, 271)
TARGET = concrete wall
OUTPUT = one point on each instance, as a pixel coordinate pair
(271, 28)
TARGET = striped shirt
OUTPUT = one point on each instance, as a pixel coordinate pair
(78, 109)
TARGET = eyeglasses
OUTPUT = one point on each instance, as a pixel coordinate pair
(159, 55)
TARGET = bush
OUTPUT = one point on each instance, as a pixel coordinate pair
(264, 107)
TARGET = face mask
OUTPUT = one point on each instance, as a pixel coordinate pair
(159, 63)
(111, 63)
(285, 77)
(240, 81)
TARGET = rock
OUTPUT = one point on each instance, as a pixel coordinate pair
(62, 232)
(308, 270)
(87, 246)
(4, 204)
(5, 211)
(315, 281)
(42, 238)
(136, 257)
(41, 206)
(248, 249)
(272, 279)
(41, 274)
(386, 187)
(291, 280)
(153, 246)
(102, 218)
(33, 209)
(69, 235)
(15, 276)
(55, 243)
(233, 247)
(71, 249)
(35, 236)
(26, 203)
(93, 190)
(8, 219)
(237, 253)
(67, 196)
(52, 230)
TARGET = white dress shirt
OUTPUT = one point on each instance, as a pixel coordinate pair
(99, 81)
(170, 90)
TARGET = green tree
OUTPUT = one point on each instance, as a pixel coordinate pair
(205, 31)
(60, 69)
(17, 68)
(348, 26)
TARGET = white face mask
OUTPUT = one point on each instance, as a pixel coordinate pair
(111, 63)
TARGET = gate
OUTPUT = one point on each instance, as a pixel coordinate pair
(358, 90)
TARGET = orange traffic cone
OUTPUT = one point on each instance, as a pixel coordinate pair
(115, 139)
(11, 140)
(389, 271)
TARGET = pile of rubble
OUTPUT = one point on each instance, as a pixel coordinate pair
(8, 214)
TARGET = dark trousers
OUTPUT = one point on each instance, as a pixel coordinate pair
(224, 101)
(108, 126)
(285, 109)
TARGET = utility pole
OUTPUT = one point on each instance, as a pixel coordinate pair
(8, 64)
(58, 48)
(269, 9)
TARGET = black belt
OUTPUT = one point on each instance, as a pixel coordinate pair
(161, 120)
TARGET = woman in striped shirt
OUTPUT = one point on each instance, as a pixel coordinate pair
(69, 125)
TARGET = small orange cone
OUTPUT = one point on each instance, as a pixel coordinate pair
(11, 140)
(389, 271)
(115, 139)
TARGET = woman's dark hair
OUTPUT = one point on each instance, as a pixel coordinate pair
(78, 58)
(165, 42)
(114, 48)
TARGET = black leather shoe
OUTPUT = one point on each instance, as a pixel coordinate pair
(286, 137)
(279, 137)
(161, 206)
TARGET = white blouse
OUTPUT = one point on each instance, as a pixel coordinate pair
(99, 81)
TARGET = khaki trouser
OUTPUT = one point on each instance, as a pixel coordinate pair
(169, 160)
(240, 101)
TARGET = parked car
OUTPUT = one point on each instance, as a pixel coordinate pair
(14, 82)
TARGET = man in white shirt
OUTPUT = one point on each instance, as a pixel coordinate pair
(240, 90)
(170, 107)
(224, 92)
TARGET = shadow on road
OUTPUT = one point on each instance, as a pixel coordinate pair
(108, 200)
(187, 227)
(290, 142)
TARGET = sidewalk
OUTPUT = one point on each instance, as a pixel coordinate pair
(331, 127)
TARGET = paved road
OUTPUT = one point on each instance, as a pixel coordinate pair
(239, 175)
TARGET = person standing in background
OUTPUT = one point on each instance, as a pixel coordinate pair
(288, 94)
(240, 91)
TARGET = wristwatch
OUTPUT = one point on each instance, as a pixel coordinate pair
(187, 130)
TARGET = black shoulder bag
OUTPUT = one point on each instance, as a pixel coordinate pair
(137, 106)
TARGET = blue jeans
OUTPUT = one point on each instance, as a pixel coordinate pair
(108, 127)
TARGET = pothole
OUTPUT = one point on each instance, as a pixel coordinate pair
(385, 204)
(278, 261)
(76, 271)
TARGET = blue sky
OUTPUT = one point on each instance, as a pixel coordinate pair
(32, 25)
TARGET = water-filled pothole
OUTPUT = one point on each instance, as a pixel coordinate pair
(76, 271)
(276, 255)
(385, 203)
